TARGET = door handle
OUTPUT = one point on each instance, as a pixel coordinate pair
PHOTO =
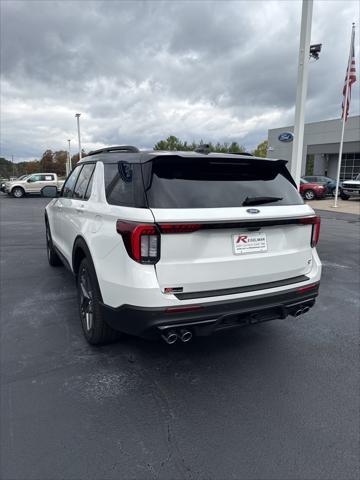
(80, 209)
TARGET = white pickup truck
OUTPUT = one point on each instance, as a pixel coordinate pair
(32, 184)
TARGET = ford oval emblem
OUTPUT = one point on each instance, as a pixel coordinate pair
(253, 210)
(286, 137)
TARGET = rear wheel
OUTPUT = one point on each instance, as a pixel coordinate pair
(53, 257)
(309, 194)
(18, 192)
(96, 330)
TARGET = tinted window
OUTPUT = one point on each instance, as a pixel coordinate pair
(210, 183)
(70, 182)
(89, 187)
(83, 181)
(123, 184)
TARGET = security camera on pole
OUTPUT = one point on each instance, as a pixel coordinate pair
(77, 115)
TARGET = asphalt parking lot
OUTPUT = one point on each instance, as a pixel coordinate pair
(272, 401)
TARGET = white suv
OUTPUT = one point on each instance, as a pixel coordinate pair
(176, 244)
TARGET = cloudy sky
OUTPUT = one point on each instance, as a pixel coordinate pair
(142, 70)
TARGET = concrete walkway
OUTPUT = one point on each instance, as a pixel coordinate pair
(344, 206)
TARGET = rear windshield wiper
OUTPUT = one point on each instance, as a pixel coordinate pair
(260, 200)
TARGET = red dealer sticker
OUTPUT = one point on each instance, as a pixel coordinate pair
(249, 243)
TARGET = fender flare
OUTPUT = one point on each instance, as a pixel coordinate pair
(81, 243)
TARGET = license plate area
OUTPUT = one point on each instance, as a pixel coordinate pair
(245, 243)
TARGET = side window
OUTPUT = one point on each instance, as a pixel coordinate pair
(83, 181)
(35, 178)
(119, 184)
(89, 187)
(47, 178)
(70, 182)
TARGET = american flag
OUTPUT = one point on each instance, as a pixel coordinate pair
(350, 77)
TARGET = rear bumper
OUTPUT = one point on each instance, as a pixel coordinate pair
(212, 316)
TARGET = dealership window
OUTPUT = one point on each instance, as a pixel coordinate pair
(350, 165)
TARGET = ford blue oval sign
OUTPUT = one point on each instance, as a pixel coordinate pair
(286, 137)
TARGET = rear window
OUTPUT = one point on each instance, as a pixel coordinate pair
(174, 182)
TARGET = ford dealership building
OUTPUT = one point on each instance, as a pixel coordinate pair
(321, 147)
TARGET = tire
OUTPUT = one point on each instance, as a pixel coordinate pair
(343, 196)
(309, 194)
(53, 258)
(95, 328)
(18, 192)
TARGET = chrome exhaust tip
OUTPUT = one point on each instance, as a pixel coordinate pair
(298, 312)
(185, 335)
(305, 309)
(170, 337)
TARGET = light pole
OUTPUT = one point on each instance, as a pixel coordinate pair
(68, 163)
(77, 115)
(305, 35)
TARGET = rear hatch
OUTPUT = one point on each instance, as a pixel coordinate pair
(226, 222)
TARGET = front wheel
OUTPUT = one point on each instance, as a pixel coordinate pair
(18, 192)
(343, 196)
(95, 328)
(309, 194)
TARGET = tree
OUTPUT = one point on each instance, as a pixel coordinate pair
(6, 168)
(261, 149)
(75, 158)
(47, 161)
(172, 143)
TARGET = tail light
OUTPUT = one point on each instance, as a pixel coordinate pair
(142, 241)
(179, 227)
(315, 232)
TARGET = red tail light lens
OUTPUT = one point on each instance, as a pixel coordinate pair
(308, 288)
(315, 233)
(179, 228)
(142, 241)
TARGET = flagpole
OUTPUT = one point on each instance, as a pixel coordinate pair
(344, 117)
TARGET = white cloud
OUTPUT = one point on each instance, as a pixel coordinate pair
(139, 71)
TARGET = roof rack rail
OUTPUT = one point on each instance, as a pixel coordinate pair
(119, 148)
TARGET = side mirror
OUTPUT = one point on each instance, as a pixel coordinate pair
(29, 180)
(50, 191)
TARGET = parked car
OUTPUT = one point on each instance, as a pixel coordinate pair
(323, 180)
(350, 188)
(32, 184)
(310, 191)
(176, 244)
(2, 184)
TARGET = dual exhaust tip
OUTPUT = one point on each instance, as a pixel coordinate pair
(171, 336)
(301, 311)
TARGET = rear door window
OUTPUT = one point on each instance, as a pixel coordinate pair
(69, 185)
(174, 182)
(83, 181)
